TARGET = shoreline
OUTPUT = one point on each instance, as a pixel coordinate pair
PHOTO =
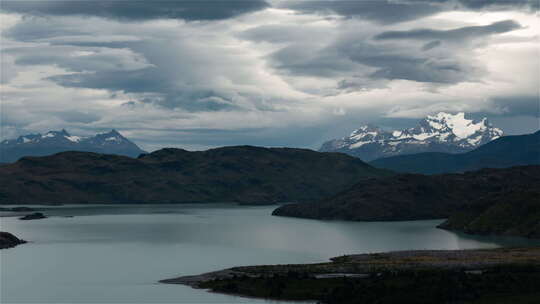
(320, 281)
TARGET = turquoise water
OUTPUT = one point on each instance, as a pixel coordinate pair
(117, 254)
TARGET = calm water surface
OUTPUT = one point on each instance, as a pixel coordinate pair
(116, 254)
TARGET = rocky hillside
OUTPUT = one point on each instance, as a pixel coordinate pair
(241, 174)
(59, 141)
(439, 133)
(507, 151)
(463, 197)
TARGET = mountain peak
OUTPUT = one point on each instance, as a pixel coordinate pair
(54, 133)
(441, 132)
(366, 129)
(111, 142)
(446, 116)
(460, 126)
(114, 132)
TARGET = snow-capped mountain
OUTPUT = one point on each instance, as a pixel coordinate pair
(450, 133)
(58, 141)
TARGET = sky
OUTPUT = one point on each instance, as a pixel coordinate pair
(209, 73)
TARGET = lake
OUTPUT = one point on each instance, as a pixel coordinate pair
(117, 254)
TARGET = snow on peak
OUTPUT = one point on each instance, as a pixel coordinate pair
(53, 134)
(57, 141)
(366, 129)
(460, 126)
(63, 137)
(112, 137)
(73, 138)
(48, 135)
(111, 134)
(442, 132)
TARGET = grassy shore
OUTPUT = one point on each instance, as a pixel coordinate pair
(424, 276)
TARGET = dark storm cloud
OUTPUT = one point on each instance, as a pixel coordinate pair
(488, 4)
(527, 105)
(431, 45)
(77, 116)
(393, 11)
(515, 125)
(89, 59)
(392, 56)
(353, 57)
(514, 114)
(151, 80)
(320, 63)
(171, 73)
(384, 11)
(283, 33)
(391, 66)
(138, 10)
(139, 81)
(455, 34)
(38, 28)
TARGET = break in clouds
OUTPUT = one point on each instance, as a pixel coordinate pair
(198, 74)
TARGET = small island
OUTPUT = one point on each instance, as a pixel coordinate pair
(8, 240)
(33, 216)
(422, 276)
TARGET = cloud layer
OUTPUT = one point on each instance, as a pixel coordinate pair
(138, 10)
(199, 74)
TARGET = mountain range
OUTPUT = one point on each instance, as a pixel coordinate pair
(59, 141)
(506, 151)
(242, 174)
(443, 132)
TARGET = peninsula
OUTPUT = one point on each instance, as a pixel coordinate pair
(506, 275)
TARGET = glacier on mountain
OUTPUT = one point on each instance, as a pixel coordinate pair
(443, 132)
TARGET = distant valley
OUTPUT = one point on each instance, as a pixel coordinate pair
(59, 141)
